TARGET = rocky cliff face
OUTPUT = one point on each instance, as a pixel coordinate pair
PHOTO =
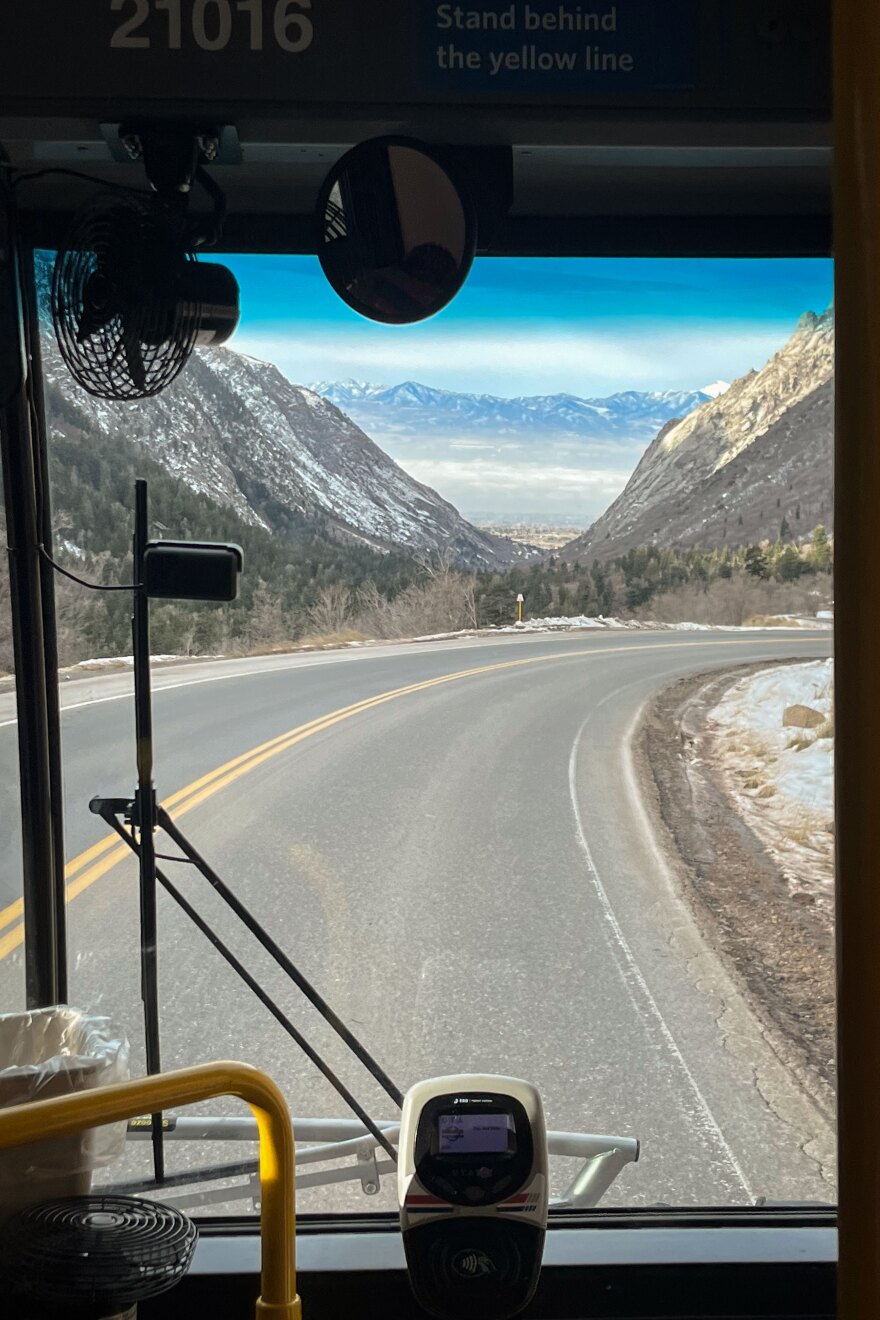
(729, 473)
(236, 430)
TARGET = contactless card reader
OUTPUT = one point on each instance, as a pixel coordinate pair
(472, 1186)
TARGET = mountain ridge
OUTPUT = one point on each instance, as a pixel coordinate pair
(759, 453)
(414, 409)
(235, 429)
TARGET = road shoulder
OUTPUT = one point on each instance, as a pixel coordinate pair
(779, 953)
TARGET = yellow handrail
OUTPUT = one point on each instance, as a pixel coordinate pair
(21, 1124)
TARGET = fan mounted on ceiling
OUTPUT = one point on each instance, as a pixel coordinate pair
(130, 300)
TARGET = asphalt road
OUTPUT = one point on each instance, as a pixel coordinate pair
(466, 871)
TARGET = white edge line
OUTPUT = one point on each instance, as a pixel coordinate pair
(617, 937)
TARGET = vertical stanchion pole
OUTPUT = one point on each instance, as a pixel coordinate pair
(43, 943)
(857, 647)
(145, 812)
(50, 628)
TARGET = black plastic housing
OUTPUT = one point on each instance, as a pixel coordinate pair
(192, 570)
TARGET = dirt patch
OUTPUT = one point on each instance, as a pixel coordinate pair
(779, 951)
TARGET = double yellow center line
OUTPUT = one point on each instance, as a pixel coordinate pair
(101, 857)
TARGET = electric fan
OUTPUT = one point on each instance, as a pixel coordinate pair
(97, 1256)
(130, 301)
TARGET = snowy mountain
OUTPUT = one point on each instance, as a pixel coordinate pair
(236, 430)
(733, 470)
(416, 410)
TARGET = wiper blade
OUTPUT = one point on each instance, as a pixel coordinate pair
(98, 805)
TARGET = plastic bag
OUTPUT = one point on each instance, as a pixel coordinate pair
(44, 1054)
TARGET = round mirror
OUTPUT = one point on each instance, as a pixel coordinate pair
(396, 235)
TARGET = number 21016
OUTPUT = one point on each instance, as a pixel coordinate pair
(213, 24)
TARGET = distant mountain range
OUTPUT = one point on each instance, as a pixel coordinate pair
(235, 429)
(412, 409)
(727, 464)
(734, 470)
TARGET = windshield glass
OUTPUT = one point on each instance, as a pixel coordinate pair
(518, 740)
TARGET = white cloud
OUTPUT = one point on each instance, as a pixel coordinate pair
(480, 444)
(506, 487)
(513, 360)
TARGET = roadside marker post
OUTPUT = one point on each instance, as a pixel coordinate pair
(519, 607)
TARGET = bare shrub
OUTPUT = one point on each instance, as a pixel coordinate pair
(735, 600)
(443, 601)
(266, 626)
(332, 609)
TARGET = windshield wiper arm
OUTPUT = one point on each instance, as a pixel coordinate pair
(253, 984)
(259, 932)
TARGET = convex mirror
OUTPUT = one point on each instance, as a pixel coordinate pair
(396, 234)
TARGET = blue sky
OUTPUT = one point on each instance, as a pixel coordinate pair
(587, 326)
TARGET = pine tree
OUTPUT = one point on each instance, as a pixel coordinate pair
(820, 550)
(788, 565)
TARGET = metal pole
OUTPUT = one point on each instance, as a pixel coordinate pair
(50, 631)
(44, 974)
(145, 811)
(857, 647)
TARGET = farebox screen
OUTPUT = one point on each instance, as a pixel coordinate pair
(473, 1134)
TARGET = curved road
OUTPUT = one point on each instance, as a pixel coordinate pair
(449, 840)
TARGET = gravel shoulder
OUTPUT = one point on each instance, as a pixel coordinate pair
(779, 950)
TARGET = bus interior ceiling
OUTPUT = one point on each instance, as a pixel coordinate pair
(734, 161)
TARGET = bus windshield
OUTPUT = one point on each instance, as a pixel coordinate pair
(519, 739)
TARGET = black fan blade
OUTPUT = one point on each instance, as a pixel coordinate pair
(87, 325)
(134, 359)
(98, 307)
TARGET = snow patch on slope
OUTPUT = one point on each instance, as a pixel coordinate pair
(782, 779)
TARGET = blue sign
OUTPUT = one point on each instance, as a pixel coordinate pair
(558, 48)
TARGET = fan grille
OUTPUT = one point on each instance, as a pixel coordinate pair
(122, 328)
(101, 1251)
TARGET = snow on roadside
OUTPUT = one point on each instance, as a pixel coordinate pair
(127, 661)
(578, 622)
(553, 623)
(782, 779)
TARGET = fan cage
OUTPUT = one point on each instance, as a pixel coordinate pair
(139, 337)
(103, 1251)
